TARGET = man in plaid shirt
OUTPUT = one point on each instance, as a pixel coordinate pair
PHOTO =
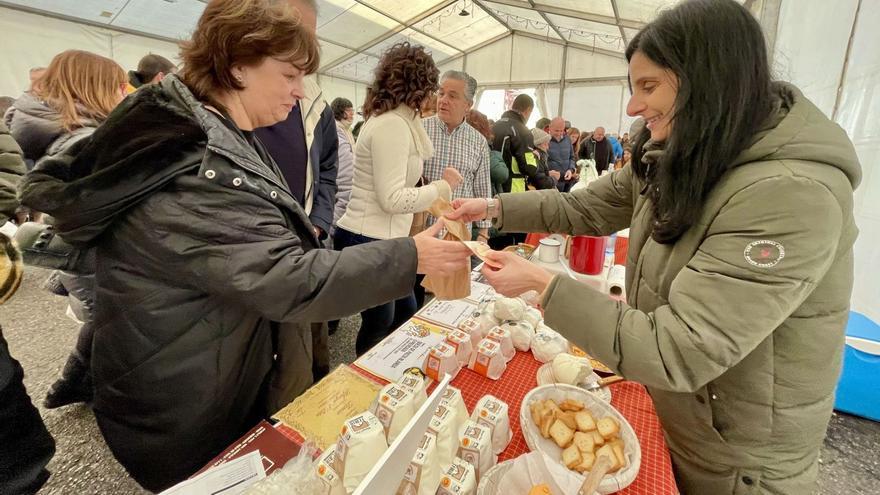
(457, 144)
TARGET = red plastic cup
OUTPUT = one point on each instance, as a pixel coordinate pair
(621, 245)
(587, 254)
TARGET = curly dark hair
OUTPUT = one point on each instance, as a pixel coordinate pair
(339, 106)
(407, 75)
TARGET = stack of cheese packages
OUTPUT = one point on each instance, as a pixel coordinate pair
(489, 339)
(455, 451)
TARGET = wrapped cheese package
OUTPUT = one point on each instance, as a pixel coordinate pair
(485, 316)
(441, 359)
(487, 359)
(444, 425)
(475, 447)
(461, 341)
(502, 336)
(533, 317)
(423, 473)
(473, 328)
(547, 344)
(521, 333)
(460, 479)
(415, 385)
(570, 369)
(453, 400)
(509, 308)
(492, 412)
(360, 445)
(330, 479)
(394, 407)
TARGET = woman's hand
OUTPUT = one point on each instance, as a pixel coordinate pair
(469, 210)
(452, 177)
(516, 276)
(437, 257)
(555, 174)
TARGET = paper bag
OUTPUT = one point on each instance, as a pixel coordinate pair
(458, 285)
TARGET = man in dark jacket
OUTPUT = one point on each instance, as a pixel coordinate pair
(25, 444)
(513, 139)
(560, 155)
(305, 147)
(599, 149)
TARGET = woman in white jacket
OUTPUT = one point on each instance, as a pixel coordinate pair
(389, 156)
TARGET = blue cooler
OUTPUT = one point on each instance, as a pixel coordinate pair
(858, 391)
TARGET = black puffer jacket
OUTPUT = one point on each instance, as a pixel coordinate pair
(513, 139)
(201, 254)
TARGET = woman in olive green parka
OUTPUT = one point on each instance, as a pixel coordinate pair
(740, 263)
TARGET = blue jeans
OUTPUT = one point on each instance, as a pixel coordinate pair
(379, 321)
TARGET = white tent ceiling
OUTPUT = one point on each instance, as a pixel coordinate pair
(354, 33)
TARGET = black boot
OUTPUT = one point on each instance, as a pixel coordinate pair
(75, 385)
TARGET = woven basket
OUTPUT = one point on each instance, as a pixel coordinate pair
(598, 408)
(490, 481)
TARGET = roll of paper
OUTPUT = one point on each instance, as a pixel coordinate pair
(616, 280)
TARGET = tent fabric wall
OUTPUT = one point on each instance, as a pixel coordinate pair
(491, 64)
(811, 48)
(858, 113)
(535, 60)
(333, 87)
(31, 40)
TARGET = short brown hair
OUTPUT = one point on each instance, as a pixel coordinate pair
(406, 75)
(244, 32)
(80, 84)
(523, 103)
(481, 123)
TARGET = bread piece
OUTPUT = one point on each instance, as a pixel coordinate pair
(584, 442)
(607, 450)
(552, 406)
(546, 422)
(571, 457)
(617, 447)
(561, 434)
(585, 421)
(571, 405)
(608, 427)
(598, 439)
(535, 408)
(587, 461)
(541, 489)
(568, 419)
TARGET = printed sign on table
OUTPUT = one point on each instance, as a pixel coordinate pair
(405, 348)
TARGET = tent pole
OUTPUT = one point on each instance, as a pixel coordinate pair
(562, 80)
(769, 21)
(845, 69)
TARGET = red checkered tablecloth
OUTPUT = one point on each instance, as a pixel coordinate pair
(631, 399)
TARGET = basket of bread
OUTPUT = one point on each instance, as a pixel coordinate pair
(574, 427)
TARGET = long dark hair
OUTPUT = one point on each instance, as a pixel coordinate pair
(406, 74)
(717, 51)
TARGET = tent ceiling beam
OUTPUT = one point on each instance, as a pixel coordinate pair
(581, 46)
(548, 21)
(408, 24)
(87, 22)
(477, 47)
(492, 14)
(584, 81)
(344, 78)
(363, 48)
(547, 8)
(617, 18)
